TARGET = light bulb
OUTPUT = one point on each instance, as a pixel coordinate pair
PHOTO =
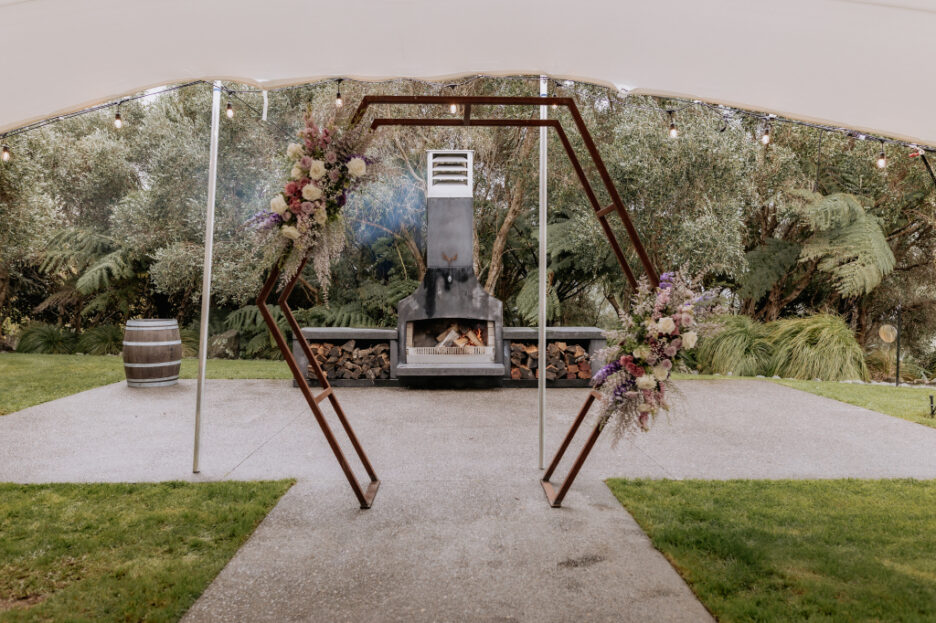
(6, 154)
(555, 106)
(229, 111)
(453, 108)
(673, 132)
(882, 161)
(338, 101)
(765, 137)
(118, 122)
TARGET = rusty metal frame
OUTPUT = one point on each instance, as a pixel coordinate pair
(364, 496)
(601, 212)
(555, 497)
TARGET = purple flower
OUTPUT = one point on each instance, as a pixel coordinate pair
(602, 375)
(666, 281)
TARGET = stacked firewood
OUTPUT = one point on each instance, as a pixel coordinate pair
(346, 361)
(563, 361)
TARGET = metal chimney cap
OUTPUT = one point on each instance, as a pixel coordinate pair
(450, 173)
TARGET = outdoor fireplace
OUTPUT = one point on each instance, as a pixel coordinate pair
(450, 326)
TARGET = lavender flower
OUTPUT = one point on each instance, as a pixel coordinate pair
(602, 375)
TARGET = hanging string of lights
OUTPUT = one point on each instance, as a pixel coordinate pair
(623, 97)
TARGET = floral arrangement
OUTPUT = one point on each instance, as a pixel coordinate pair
(305, 217)
(658, 326)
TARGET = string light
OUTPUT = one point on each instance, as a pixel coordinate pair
(453, 108)
(6, 155)
(229, 111)
(882, 159)
(118, 122)
(723, 111)
(765, 137)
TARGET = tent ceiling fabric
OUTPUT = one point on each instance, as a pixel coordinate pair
(863, 64)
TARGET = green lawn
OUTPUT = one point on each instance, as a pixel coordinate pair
(909, 403)
(120, 552)
(27, 380)
(829, 550)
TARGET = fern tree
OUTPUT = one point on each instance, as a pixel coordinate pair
(100, 278)
(832, 238)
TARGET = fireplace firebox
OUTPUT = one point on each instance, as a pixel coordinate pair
(450, 326)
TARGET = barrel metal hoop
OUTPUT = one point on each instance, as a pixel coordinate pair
(152, 327)
(152, 365)
(162, 383)
(174, 377)
(173, 342)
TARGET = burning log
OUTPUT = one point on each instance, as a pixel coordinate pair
(347, 361)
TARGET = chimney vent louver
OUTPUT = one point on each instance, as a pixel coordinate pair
(450, 173)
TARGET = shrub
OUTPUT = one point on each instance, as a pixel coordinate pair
(106, 339)
(820, 346)
(46, 339)
(882, 365)
(189, 337)
(739, 347)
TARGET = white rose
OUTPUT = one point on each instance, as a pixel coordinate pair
(278, 205)
(320, 216)
(316, 169)
(290, 232)
(689, 339)
(646, 382)
(296, 172)
(311, 192)
(660, 373)
(641, 352)
(666, 325)
(357, 167)
(294, 151)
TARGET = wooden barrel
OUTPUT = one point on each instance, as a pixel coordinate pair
(152, 352)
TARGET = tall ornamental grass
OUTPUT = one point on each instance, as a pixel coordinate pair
(738, 348)
(820, 346)
(815, 347)
(47, 339)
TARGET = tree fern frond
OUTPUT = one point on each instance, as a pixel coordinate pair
(528, 299)
(111, 268)
(854, 252)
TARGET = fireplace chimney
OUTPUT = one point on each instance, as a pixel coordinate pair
(450, 326)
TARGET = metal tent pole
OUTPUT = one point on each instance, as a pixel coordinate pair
(206, 275)
(541, 363)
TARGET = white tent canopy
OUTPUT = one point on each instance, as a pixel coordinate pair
(863, 64)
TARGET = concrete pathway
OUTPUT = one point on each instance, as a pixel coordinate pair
(460, 530)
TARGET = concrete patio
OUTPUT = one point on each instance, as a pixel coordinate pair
(460, 529)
